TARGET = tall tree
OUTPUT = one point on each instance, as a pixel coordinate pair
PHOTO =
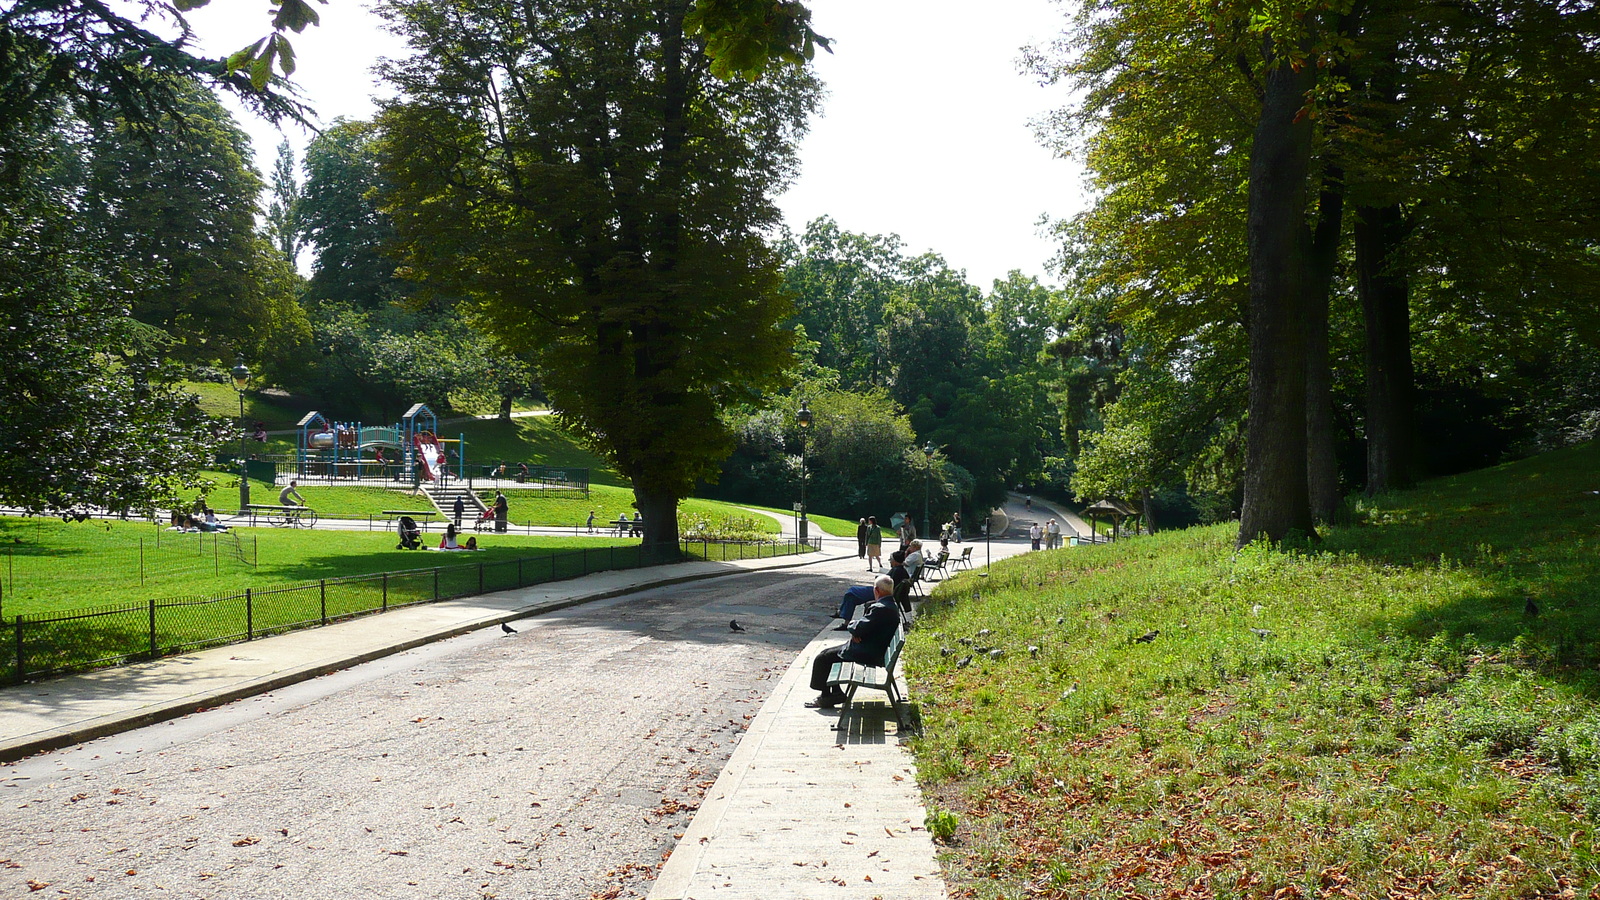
(283, 202)
(575, 170)
(339, 219)
(183, 204)
(1277, 499)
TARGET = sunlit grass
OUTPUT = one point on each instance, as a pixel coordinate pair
(1377, 714)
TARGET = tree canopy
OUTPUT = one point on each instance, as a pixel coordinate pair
(575, 171)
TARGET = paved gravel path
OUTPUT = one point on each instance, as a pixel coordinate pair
(560, 762)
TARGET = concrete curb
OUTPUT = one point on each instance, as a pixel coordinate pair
(90, 729)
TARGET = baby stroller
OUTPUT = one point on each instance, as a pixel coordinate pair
(410, 534)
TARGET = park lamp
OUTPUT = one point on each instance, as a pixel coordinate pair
(803, 420)
(241, 380)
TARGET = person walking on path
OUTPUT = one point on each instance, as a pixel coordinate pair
(459, 508)
(590, 524)
(1034, 534)
(1053, 531)
(874, 544)
(861, 540)
(502, 511)
(955, 527)
(869, 638)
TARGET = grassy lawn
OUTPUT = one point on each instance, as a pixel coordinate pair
(49, 565)
(1380, 714)
(222, 400)
(533, 440)
(609, 502)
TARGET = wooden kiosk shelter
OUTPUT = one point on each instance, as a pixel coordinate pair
(1118, 511)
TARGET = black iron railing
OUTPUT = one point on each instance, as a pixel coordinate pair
(46, 644)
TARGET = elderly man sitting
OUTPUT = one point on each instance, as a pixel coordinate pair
(869, 638)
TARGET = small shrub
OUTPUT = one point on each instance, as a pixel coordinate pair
(942, 824)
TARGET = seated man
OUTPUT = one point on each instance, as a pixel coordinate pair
(897, 567)
(914, 559)
(869, 638)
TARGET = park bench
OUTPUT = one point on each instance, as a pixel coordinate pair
(853, 675)
(964, 561)
(280, 516)
(937, 564)
(423, 516)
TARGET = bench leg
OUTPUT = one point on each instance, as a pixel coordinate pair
(849, 697)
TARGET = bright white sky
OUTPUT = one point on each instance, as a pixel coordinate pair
(924, 133)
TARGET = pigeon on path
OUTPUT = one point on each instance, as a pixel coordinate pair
(507, 628)
(734, 626)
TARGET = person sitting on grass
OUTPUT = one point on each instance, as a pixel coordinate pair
(472, 542)
(869, 640)
(449, 542)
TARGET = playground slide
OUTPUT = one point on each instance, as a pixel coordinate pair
(430, 454)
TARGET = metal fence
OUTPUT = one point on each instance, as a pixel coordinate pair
(47, 644)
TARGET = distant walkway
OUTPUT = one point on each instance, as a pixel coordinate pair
(1022, 518)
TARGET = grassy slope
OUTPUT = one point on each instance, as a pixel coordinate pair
(1403, 728)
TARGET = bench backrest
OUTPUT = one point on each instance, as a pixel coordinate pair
(891, 654)
(966, 553)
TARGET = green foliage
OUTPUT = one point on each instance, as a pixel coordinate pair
(725, 528)
(103, 63)
(283, 209)
(855, 455)
(745, 37)
(965, 366)
(336, 215)
(633, 268)
(182, 206)
(91, 414)
(1388, 690)
(941, 824)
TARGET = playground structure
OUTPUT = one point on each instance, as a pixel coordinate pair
(410, 451)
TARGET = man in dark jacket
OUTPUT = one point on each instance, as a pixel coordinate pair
(869, 638)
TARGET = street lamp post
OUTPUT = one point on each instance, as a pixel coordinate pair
(241, 380)
(803, 419)
(927, 492)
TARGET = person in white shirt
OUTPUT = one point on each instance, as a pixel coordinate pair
(914, 559)
(1053, 530)
(1035, 533)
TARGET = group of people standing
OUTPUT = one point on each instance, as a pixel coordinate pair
(1049, 534)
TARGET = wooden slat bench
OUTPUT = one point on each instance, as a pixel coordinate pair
(852, 675)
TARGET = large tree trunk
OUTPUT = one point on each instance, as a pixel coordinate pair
(1276, 499)
(1386, 305)
(660, 511)
(1322, 472)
